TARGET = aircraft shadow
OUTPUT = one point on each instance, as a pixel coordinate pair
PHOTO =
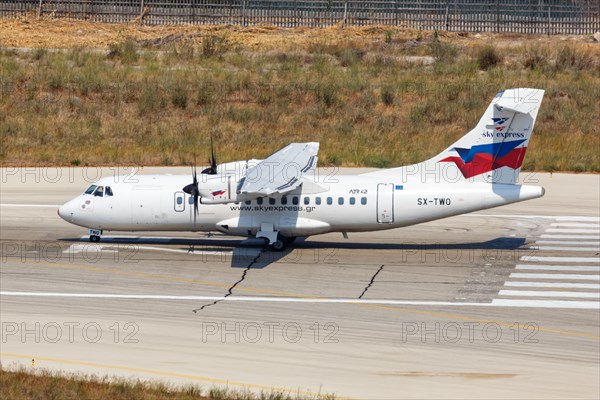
(253, 254)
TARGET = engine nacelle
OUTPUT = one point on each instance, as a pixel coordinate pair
(221, 189)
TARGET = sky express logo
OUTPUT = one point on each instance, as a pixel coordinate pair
(499, 123)
(484, 158)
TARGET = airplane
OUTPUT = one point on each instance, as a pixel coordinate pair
(284, 196)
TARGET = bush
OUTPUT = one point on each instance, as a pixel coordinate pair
(535, 58)
(488, 57)
(125, 51)
(326, 93)
(388, 95)
(214, 45)
(568, 57)
(443, 52)
(179, 97)
(151, 101)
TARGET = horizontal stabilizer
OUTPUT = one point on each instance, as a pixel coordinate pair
(282, 171)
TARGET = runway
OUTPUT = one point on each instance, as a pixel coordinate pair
(498, 304)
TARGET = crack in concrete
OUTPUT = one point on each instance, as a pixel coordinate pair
(371, 282)
(230, 291)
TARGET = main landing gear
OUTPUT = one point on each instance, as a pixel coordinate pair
(282, 243)
(273, 238)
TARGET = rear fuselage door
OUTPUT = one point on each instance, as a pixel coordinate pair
(385, 203)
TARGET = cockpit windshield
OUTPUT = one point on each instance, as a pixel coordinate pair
(91, 189)
(99, 191)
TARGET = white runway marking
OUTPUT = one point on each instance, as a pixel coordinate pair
(535, 293)
(597, 237)
(559, 267)
(191, 251)
(494, 303)
(88, 248)
(564, 248)
(575, 225)
(584, 260)
(547, 304)
(555, 276)
(576, 218)
(580, 243)
(31, 205)
(572, 230)
(554, 285)
(95, 248)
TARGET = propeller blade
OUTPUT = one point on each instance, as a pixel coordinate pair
(193, 190)
(196, 193)
(212, 170)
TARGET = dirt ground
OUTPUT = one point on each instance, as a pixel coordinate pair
(30, 32)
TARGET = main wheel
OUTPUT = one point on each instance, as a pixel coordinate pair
(279, 245)
(94, 238)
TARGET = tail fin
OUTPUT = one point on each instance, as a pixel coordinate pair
(494, 151)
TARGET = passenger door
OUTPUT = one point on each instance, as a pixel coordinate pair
(385, 203)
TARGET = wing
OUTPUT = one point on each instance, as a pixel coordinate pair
(282, 171)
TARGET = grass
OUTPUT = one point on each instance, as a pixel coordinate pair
(21, 384)
(361, 96)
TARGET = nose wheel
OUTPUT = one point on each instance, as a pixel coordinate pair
(94, 235)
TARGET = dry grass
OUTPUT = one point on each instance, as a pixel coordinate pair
(124, 94)
(21, 384)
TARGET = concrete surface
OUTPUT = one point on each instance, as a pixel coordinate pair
(443, 309)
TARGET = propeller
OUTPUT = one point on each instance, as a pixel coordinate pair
(193, 190)
(212, 170)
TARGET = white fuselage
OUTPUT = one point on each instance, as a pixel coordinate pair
(343, 204)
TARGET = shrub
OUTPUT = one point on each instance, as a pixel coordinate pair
(443, 52)
(535, 57)
(214, 45)
(151, 100)
(569, 57)
(488, 57)
(326, 93)
(125, 51)
(388, 95)
(179, 97)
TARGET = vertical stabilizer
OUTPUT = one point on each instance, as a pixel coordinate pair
(494, 151)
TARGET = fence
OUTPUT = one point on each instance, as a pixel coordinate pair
(524, 16)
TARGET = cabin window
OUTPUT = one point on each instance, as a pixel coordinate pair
(179, 200)
(318, 201)
(306, 200)
(284, 200)
(330, 200)
(248, 202)
(259, 201)
(363, 201)
(352, 201)
(341, 201)
(91, 189)
(108, 191)
(271, 201)
(295, 200)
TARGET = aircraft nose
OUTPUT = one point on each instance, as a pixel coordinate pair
(67, 211)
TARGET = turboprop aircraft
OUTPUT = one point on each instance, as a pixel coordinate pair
(283, 196)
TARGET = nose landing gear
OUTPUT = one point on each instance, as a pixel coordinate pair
(94, 235)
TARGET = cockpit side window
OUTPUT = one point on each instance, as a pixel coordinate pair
(91, 189)
(108, 191)
(99, 192)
